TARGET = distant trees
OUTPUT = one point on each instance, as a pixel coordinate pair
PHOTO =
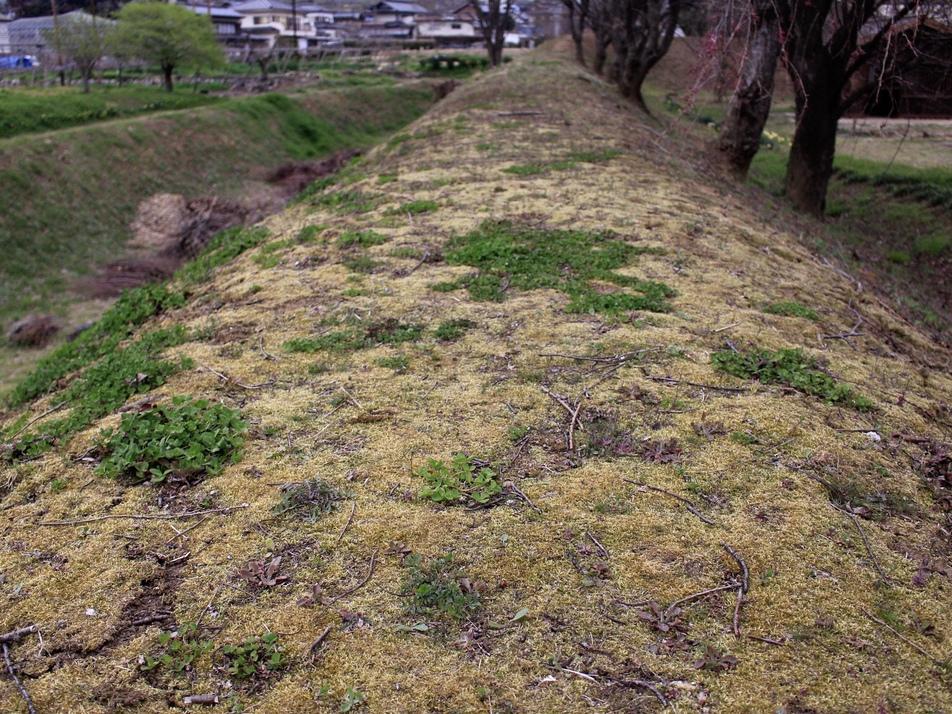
(166, 35)
(578, 20)
(495, 20)
(640, 34)
(824, 45)
(82, 40)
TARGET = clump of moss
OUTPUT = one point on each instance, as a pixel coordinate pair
(308, 500)
(531, 258)
(385, 332)
(791, 308)
(364, 239)
(453, 329)
(792, 368)
(185, 440)
(437, 587)
(224, 247)
(416, 207)
(398, 363)
(347, 201)
(361, 264)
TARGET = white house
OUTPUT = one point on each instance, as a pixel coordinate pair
(447, 31)
(4, 36)
(281, 24)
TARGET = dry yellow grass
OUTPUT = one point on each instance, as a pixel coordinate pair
(813, 584)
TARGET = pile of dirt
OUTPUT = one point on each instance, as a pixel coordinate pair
(295, 176)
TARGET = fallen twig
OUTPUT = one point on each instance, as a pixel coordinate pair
(917, 648)
(698, 595)
(16, 680)
(140, 516)
(316, 645)
(690, 506)
(358, 586)
(742, 587)
(17, 634)
(201, 700)
(180, 533)
(862, 534)
(347, 524)
(601, 549)
(54, 408)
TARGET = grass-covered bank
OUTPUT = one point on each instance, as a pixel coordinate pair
(24, 111)
(66, 200)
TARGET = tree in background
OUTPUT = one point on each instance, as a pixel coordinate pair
(641, 34)
(578, 20)
(82, 40)
(826, 44)
(749, 108)
(166, 35)
(495, 20)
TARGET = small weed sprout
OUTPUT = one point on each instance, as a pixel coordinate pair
(437, 587)
(185, 439)
(460, 481)
(398, 363)
(353, 699)
(255, 657)
(364, 239)
(177, 650)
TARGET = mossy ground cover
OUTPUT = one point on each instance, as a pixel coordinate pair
(626, 460)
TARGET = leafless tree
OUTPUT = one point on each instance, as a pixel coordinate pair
(641, 34)
(578, 20)
(599, 19)
(826, 43)
(495, 20)
(749, 108)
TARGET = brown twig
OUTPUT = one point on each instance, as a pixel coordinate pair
(601, 549)
(35, 419)
(17, 634)
(698, 595)
(643, 684)
(917, 648)
(226, 378)
(315, 646)
(358, 586)
(16, 680)
(862, 534)
(179, 534)
(350, 519)
(690, 506)
(573, 414)
(140, 516)
(769, 641)
(742, 587)
(208, 700)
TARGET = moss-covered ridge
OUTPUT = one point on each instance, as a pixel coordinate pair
(634, 525)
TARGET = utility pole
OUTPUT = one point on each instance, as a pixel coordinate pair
(294, 24)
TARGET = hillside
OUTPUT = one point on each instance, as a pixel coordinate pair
(67, 198)
(701, 467)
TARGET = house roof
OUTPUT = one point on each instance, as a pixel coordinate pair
(222, 12)
(400, 7)
(45, 22)
(261, 5)
(310, 7)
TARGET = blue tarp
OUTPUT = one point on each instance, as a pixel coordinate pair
(17, 62)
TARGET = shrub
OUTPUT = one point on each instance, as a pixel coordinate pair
(458, 482)
(188, 438)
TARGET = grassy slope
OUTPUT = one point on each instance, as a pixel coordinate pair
(31, 110)
(363, 427)
(66, 199)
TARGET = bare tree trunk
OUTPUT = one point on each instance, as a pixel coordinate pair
(810, 165)
(167, 77)
(750, 106)
(601, 51)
